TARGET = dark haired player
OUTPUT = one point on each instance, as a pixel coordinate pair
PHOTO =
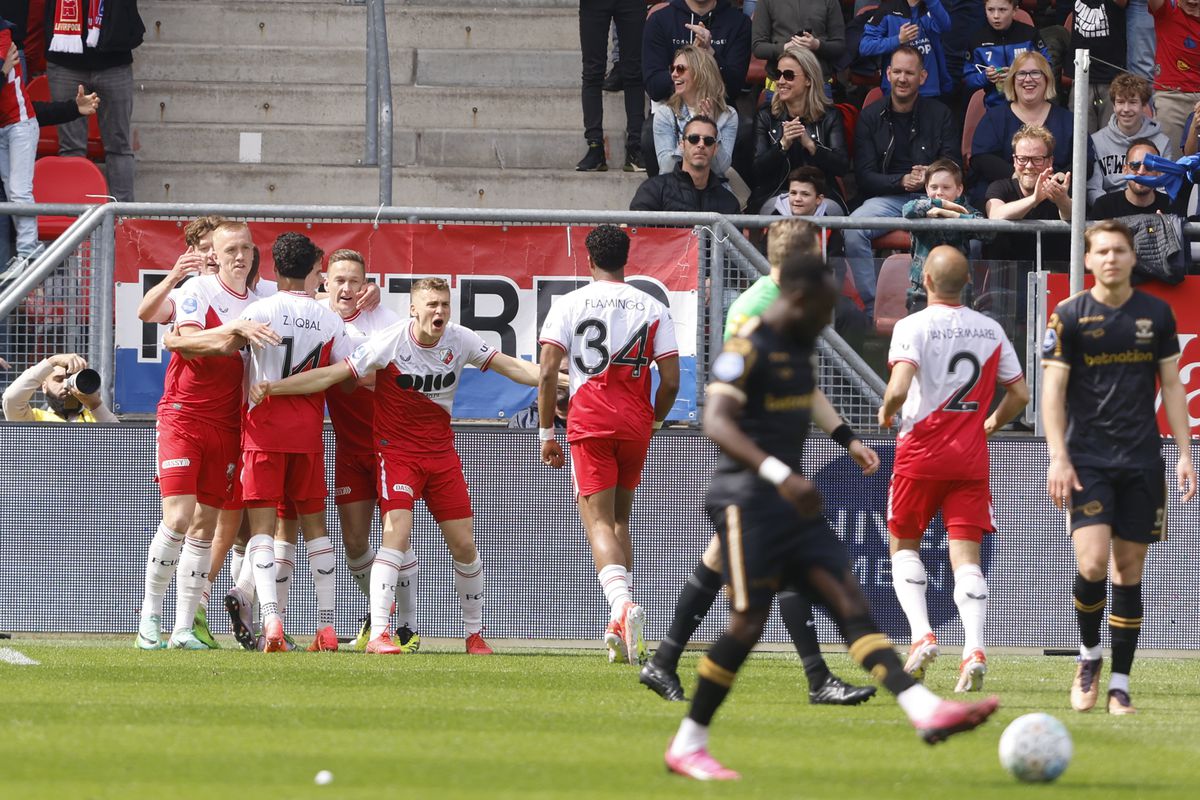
(768, 516)
(610, 333)
(1103, 352)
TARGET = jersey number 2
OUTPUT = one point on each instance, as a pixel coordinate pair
(632, 354)
(956, 402)
(310, 361)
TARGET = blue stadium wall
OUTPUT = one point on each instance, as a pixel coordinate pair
(78, 507)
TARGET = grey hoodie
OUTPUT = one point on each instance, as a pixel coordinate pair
(1110, 146)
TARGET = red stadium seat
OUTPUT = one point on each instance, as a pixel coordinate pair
(872, 96)
(850, 123)
(65, 180)
(975, 111)
(1021, 15)
(890, 293)
(756, 73)
(893, 240)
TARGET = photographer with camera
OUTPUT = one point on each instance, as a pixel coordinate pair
(72, 393)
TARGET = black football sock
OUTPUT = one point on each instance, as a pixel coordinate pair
(1124, 624)
(717, 670)
(874, 653)
(796, 612)
(1089, 609)
(697, 597)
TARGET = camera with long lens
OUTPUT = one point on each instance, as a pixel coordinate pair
(86, 381)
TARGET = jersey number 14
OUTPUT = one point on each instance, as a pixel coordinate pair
(310, 361)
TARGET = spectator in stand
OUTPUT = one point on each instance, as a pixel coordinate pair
(966, 17)
(96, 50)
(897, 138)
(995, 46)
(692, 185)
(915, 23)
(1177, 30)
(1139, 39)
(800, 126)
(698, 90)
(806, 197)
(1130, 95)
(18, 145)
(595, 17)
(1099, 26)
(1036, 192)
(943, 200)
(815, 25)
(64, 402)
(1189, 143)
(712, 25)
(1136, 198)
(1029, 87)
(17, 14)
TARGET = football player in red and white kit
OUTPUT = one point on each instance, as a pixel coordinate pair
(418, 364)
(611, 333)
(946, 361)
(199, 418)
(282, 449)
(356, 468)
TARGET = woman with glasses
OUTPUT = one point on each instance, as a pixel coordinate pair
(698, 90)
(800, 127)
(1029, 87)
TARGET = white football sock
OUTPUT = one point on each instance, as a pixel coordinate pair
(384, 573)
(285, 567)
(910, 581)
(468, 580)
(260, 555)
(1091, 653)
(194, 562)
(161, 560)
(918, 702)
(690, 737)
(406, 591)
(244, 578)
(208, 587)
(360, 571)
(236, 557)
(1118, 681)
(970, 595)
(321, 564)
(615, 584)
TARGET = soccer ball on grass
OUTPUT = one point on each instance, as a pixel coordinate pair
(1035, 748)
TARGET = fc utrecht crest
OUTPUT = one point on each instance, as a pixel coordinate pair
(447, 356)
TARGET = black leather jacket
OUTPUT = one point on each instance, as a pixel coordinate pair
(933, 135)
(675, 191)
(772, 165)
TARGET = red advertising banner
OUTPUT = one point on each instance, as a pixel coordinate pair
(1185, 302)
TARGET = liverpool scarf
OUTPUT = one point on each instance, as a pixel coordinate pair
(67, 33)
(95, 20)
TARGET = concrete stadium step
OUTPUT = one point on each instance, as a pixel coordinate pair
(414, 106)
(498, 25)
(487, 68)
(468, 188)
(343, 145)
(279, 64)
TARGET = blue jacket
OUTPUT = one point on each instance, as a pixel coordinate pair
(882, 36)
(665, 33)
(997, 49)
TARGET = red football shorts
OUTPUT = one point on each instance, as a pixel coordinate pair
(355, 477)
(195, 459)
(437, 479)
(599, 464)
(966, 507)
(268, 479)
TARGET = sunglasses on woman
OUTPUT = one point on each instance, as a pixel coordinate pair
(678, 69)
(788, 75)
(695, 138)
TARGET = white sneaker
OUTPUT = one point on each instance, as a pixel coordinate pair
(149, 635)
(971, 672)
(923, 653)
(185, 640)
(633, 621)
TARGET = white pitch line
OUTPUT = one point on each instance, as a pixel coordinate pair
(16, 658)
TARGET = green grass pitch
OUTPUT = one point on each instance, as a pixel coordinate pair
(97, 719)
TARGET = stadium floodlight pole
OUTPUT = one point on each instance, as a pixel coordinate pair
(383, 79)
(1082, 97)
(371, 129)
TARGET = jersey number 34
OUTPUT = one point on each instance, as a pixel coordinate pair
(595, 357)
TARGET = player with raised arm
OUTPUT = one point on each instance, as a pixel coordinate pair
(158, 304)
(1104, 351)
(610, 333)
(946, 361)
(417, 366)
(773, 535)
(199, 419)
(356, 469)
(661, 672)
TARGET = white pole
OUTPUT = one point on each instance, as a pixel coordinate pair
(1079, 165)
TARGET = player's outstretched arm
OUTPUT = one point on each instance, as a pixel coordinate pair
(721, 413)
(308, 382)
(515, 369)
(1174, 398)
(827, 418)
(668, 387)
(225, 340)
(1016, 397)
(896, 392)
(154, 306)
(548, 374)
(1060, 477)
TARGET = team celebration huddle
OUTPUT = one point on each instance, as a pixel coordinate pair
(255, 364)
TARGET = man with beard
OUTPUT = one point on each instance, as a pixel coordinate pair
(64, 402)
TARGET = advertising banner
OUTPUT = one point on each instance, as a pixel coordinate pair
(503, 281)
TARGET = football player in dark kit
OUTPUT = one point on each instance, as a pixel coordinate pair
(1103, 352)
(768, 516)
